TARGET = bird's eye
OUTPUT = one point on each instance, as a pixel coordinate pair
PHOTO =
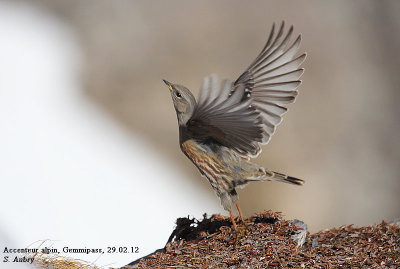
(178, 94)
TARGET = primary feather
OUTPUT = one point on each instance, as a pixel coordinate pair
(244, 114)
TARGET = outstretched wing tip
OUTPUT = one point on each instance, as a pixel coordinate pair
(272, 79)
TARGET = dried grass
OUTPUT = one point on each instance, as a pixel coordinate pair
(59, 262)
(268, 243)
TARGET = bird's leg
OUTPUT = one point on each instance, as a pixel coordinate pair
(233, 220)
(238, 235)
(241, 233)
(241, 217)
(240, 212)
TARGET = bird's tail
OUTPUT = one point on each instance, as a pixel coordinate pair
(261, 174)
(287, 179)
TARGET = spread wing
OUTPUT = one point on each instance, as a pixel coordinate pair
(243, 115)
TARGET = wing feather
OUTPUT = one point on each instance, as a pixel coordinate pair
(244, 114)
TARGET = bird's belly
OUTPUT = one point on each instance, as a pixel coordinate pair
(210, 166)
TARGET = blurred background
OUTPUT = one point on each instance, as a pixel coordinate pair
(89, 129)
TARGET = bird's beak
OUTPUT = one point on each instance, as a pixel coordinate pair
(169, 84)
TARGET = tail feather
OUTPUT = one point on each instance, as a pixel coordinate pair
(287, 179)
(261, 174)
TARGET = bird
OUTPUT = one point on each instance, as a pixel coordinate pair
(230, 122)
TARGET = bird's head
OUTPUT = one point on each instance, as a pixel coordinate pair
(184, 102)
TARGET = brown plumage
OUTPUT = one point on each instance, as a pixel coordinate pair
(226, 127)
